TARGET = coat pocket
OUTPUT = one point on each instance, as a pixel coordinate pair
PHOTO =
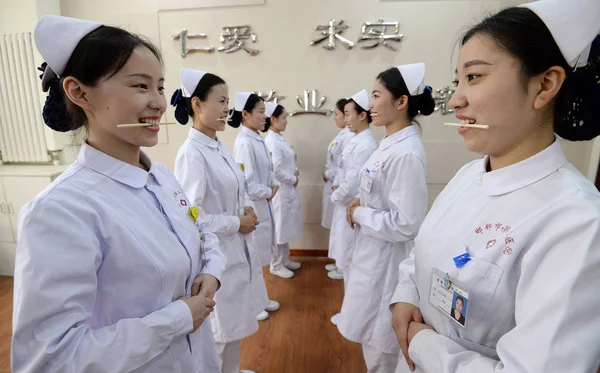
(482, 278)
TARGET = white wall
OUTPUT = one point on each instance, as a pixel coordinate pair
(289, 64)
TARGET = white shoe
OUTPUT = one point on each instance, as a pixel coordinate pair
(282, 272)
(292, 265)
(247, 371)
(262, 316)
(272, 306)
(335, 275)
(330, 267)
(335, 319)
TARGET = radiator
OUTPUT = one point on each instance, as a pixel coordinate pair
(22, 138)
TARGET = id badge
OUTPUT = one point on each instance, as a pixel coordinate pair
(449, 296)
(366, 182)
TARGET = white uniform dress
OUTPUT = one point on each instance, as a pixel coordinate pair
(216, 184)
(341, 240)
(393, 199)
(287, 208)
(104, 254)
(532, 230)
(251, 153)
(333, 153)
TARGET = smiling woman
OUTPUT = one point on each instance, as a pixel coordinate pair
(111, 253)
(528, 219)
(216, 184)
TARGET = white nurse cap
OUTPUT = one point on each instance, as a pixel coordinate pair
(56, 38)
(414, 77)
(574, 24)
(362, 99)
(190, 79)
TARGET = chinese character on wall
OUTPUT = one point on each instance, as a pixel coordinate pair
(311, 103)
(442, 97)
(183, 36)
(379, 33)
(331, 32)
(235, 38)
(269, 97)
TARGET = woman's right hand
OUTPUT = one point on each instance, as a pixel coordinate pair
(324, 173)
(274, 189)
(247, 224)
(201, 307)
(403, 315)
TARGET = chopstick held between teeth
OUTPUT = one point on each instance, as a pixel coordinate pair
(128, 125)
(480, 126)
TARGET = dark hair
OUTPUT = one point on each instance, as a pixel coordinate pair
(520, 32)
(359, 109)
(101, 52)
(341, 103)
(459, 298)
(276, 113)
(183, 105)
(393, 81)
(235, 117)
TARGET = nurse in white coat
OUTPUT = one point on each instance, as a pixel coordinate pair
(352, 159)
(330, 169)
(516, 234)
(251, 154)
(114, 270)
(216, 184)
(391, 207)
(286, 205)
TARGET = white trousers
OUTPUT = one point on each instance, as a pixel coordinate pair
(280, 256)
(229, 356)
(346, 272)
(378, 361)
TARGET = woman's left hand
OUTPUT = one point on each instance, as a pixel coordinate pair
(414, 328)
(206, 285)
(249, 211)
(350, 211)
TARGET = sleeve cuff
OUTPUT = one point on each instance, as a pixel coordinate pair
(183, 323)
(415, 345)
(269, 193)
(334, 196)
(235, 224)
(359, 215)
(404, 294)
(213, 270)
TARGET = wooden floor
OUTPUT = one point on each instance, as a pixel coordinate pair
(296, 339)
(299, 337)
(6, 299)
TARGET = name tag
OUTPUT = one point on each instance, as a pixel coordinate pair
(449, 296)
(366, 182)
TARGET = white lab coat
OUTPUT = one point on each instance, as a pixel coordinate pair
(334, 150)
(386, 223)
(104, 254)
(356, 152)
(532, 230)
(251, 153)
(216, 184)
(287, 208)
